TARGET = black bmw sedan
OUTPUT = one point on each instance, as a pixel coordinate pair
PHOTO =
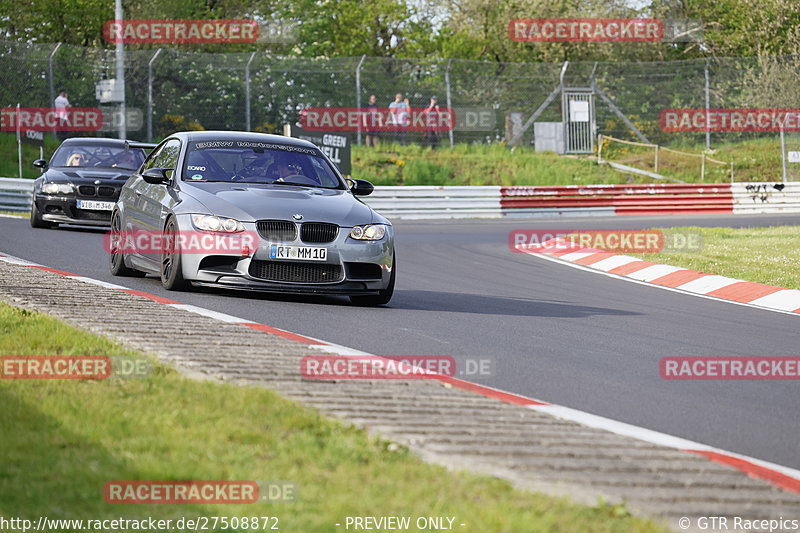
(81, 183)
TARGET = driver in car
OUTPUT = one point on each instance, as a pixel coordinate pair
(77, 159)
(284, 166)
(125, 159)
(255, 167)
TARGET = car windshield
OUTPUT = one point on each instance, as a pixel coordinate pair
(97, 155)
(259, 162)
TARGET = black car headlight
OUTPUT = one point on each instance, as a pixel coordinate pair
(58, 188)
(368, 232)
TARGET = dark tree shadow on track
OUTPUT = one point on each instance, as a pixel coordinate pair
(413, 300)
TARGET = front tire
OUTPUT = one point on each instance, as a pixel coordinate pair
(116, 258)
(36, 218)
(383, 297)
(171, 265)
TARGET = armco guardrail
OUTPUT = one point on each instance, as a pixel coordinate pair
(774, 197)
(544, 201)
(15, 194)
(638, 199)
(444, 202)
(429, 202)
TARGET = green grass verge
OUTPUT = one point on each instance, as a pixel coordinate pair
(62, 440)
(753, 160)
(764, 255)
(9, 164)
(393, 164)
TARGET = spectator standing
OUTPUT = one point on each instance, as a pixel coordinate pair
(432, 122)
(61, 105)
(371, 121)
(401, 116)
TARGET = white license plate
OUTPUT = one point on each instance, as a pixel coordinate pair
(96, 206)
(301, 253)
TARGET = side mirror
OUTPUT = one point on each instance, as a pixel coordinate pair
(40, 163)
(360, 187)
(156, 176)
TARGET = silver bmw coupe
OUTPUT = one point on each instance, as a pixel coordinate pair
(251, 211)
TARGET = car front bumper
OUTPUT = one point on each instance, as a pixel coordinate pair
(64, 210)
(351, 267)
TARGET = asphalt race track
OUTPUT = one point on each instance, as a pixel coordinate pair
(553, 332)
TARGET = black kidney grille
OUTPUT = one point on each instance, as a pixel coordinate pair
(86, 190)
(277, 230)
(105, 191)
(295, 272)
(318, 232)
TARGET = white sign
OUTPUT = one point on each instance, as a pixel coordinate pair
(793, 157)
(109, 91)
(578, 111)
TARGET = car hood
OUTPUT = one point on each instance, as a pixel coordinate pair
(251, 202)
(80, 175)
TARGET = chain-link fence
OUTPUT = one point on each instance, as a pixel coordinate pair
(177, 90)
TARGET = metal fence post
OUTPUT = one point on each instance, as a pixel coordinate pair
(120, 49)
(708, 108)
(50, 79)
(783, 154)
(358, 95)
(247, 92)
(19, 142)
(449, 105)
(150, 96)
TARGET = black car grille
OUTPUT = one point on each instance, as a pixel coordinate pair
(277, 230)
(105, 191)
(295, 272)
(318, 232)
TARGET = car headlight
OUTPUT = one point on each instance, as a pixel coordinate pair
(58, 188)
(369, 232)
(214, 223)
